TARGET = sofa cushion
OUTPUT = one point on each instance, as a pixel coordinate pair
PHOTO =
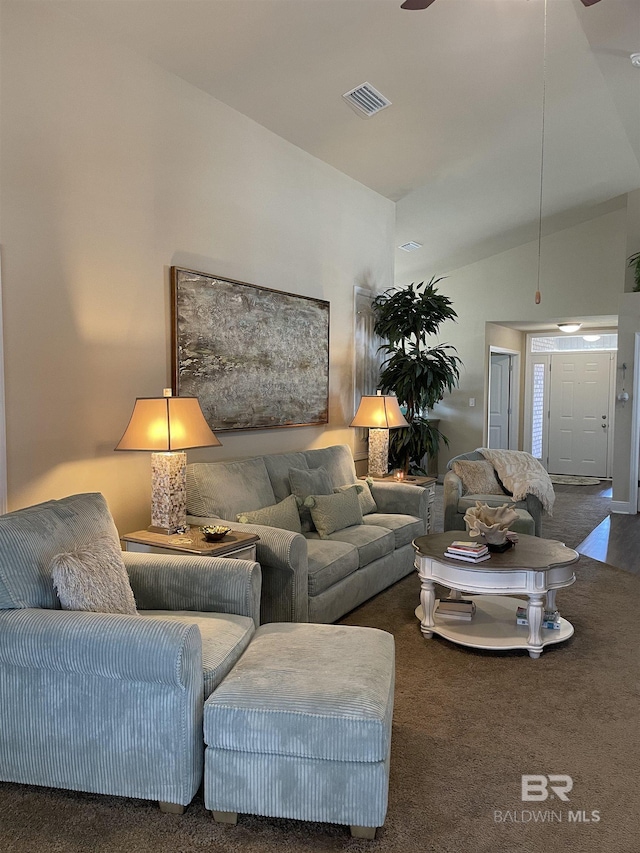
(329, 562)
(371, 541)
(93, 578)
(334, 512)
(469, 501)
(477, 477)
(223, 489)
(278, 465)
(365, 498)
(338, 460)
(283, 515)
(31, 537)
(225, 636)
(405, 527)
(304, 483)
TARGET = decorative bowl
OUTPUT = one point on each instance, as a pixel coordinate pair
(490, 524)
(215, 533)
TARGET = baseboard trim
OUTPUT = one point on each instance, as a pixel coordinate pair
(623, 507)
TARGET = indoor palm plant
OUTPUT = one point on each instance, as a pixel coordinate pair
(634, 263)
(418, 374)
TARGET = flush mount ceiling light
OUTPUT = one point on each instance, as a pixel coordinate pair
(635, 59)
(569, 327)
(591, 338)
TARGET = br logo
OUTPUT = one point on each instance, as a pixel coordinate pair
(535, 788)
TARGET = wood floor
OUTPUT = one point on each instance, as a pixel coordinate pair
(616, 541)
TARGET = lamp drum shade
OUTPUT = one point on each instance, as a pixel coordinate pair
(163, 424)
(377, 411)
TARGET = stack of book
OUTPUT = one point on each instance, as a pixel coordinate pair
(550, 618)
(456, 608)
(472, 552)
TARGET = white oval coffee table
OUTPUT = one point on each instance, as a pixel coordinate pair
(534, 567)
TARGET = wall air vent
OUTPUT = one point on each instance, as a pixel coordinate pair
(366, 100)
(411, 246)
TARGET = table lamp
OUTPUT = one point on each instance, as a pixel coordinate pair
(167, 426)
(379, 413)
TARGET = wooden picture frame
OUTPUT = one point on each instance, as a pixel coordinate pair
(256, 358)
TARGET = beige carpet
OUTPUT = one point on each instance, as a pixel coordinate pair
(576, 512)
(467, 725)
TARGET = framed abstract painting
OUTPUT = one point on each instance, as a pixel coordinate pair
(256, 358)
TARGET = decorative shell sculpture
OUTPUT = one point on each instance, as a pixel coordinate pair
(490, 524)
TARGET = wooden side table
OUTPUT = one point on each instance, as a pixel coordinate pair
(427, 483)
(238, 546)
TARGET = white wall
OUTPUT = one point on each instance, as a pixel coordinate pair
(624, 446)
(582, 274)
(112, 171)
(3, 420)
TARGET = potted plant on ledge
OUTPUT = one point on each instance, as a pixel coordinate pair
(633, 261)
(419, 375)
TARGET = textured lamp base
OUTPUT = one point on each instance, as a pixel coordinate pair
(168, 492)
(378, 452)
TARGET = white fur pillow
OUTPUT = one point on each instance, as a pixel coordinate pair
(94, 578)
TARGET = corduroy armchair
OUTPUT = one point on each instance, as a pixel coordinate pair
(104, 702)
(456, 502)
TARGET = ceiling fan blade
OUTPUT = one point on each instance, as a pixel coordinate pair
(422, 4)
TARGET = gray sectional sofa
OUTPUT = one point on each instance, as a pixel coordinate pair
(306, 578)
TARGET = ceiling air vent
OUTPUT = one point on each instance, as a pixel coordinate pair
(411, 246)
(366, 100)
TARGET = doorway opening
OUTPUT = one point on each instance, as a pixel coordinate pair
(570, 383)
(503, 404)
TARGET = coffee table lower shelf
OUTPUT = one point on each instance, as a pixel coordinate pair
(494, 625)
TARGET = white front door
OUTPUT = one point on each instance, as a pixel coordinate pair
(499, 400)
(579, 413)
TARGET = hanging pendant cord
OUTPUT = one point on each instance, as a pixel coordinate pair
(544, 98)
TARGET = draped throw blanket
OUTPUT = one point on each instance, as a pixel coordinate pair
(522, 475)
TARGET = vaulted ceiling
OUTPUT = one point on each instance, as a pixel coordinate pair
(459, 149)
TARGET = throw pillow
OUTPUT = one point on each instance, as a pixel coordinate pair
(478, 478)
(365, 498)
(283, 515)
(94, 578)
(331, 513)
(305, 482)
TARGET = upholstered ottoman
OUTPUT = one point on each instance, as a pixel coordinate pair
(301, 727)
